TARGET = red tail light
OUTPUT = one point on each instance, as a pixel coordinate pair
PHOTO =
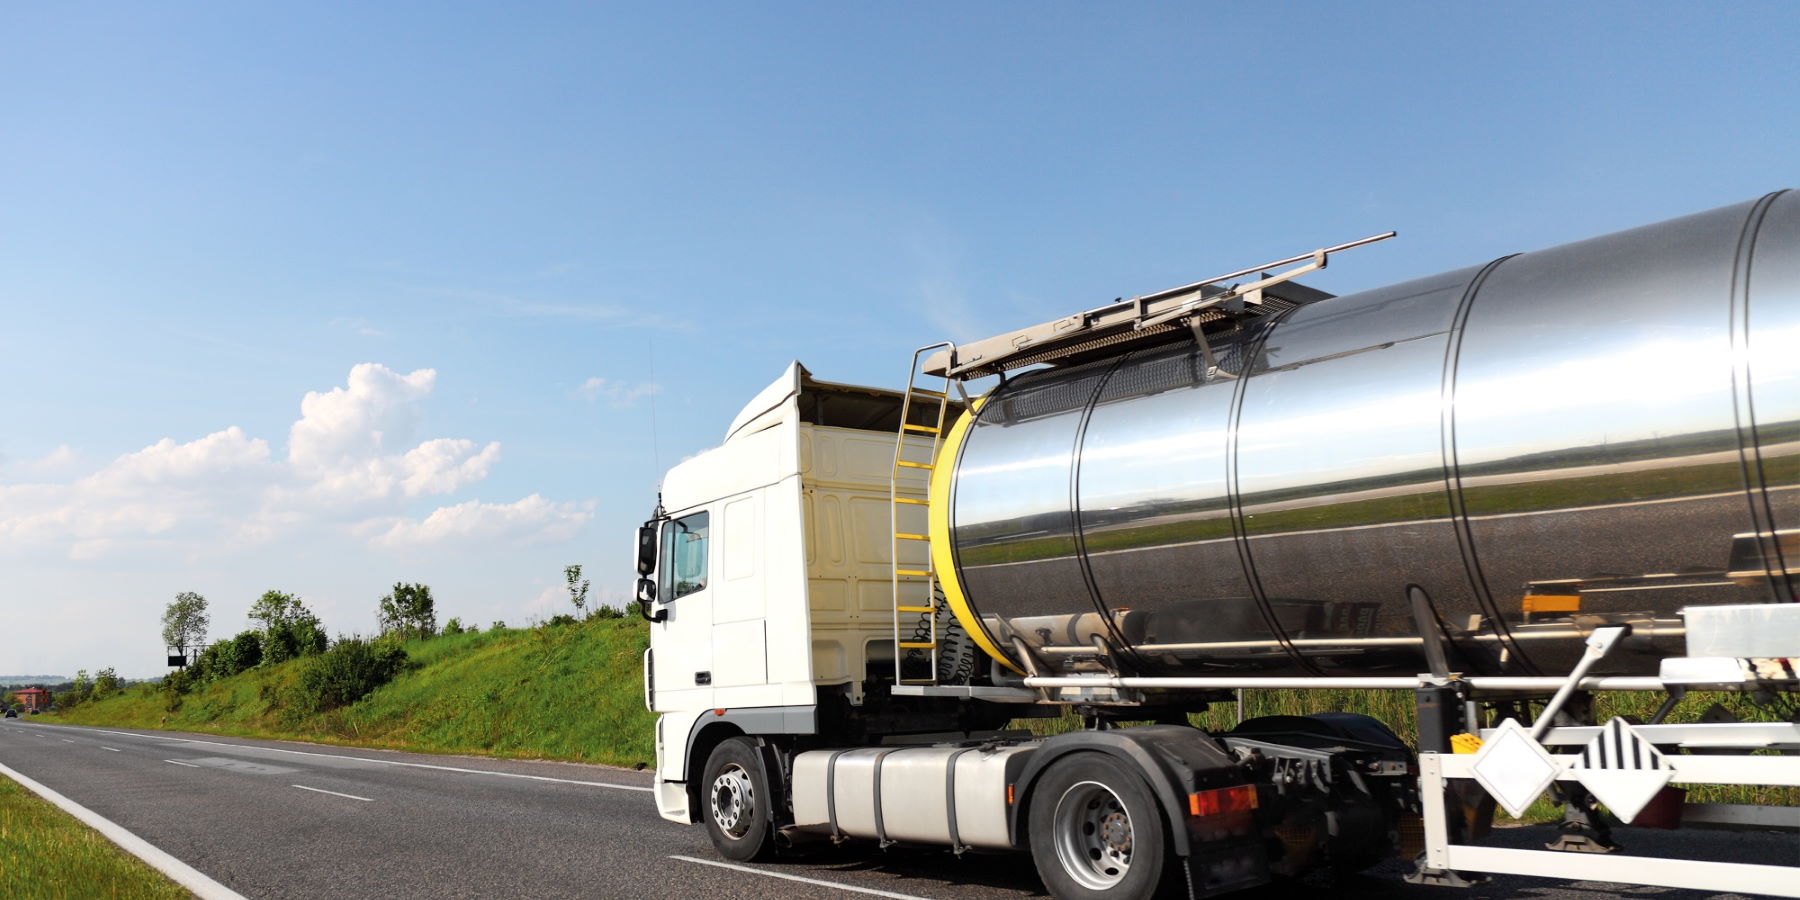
(1219, 801)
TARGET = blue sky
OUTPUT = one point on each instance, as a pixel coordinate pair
(530, 224)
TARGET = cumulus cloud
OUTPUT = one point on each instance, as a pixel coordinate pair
(376, 410)
(530, 520)
(614, 391)
(352, 464)
(59, 460)
(147, 493)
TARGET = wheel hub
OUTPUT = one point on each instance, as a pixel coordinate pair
(733, 801)
(1093, 835)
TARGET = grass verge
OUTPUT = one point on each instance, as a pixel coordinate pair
(46, 854)
(570, 692)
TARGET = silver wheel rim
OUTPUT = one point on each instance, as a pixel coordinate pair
(1093, 835)
(733, 799)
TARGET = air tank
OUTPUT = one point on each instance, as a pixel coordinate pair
(1605, 431)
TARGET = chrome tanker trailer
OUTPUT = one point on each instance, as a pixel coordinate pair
(1502, 488)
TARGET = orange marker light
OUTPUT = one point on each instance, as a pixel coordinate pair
(1009, 795)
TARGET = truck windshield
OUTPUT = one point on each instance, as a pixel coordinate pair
(684, 556)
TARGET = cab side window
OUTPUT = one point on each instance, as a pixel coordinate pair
(684, 556)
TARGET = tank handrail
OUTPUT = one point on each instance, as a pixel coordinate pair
(1146, 316)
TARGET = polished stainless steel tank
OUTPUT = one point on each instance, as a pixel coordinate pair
(1605, 431)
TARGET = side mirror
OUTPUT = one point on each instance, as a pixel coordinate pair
(646, 598)
(646, 554)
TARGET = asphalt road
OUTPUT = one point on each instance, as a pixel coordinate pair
(283, 819)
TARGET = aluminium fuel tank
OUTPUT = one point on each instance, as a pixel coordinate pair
(1604, 431)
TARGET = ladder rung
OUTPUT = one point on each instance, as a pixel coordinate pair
(916, 645)
(931, 393)
(913, 465)
(912, 501)
(917, 573)
(916, 608)
(922, 429)
(911, 537)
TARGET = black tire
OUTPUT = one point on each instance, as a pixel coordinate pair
(1089, 814)
(735, 802)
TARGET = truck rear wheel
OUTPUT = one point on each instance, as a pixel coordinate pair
(736, 802)
(1096, 833)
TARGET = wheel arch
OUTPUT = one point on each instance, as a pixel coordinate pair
(720, 725)
(1173, 760)
(701, 742)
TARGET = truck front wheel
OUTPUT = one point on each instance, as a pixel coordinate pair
(1096, 833)
(735, 801)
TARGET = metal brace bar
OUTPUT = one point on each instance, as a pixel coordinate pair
(1599, 644)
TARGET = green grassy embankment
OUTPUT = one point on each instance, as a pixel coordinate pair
(46, 854)
(570, 692)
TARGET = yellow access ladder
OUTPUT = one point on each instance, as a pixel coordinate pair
(917, 519)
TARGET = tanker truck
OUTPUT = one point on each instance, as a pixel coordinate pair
(1501, 490)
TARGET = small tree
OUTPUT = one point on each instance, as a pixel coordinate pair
(106, 681)
(289, 629)
(77, 692)
(578, 588)
(184, 622)
(408, 610)
(274, 608)
(454, 626)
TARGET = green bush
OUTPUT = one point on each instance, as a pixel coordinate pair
(241, 653)
(293, 639)
(346, 673)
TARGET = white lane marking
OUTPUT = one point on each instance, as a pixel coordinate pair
(333, 793)
(104, 747)
(392, 762)
(185, 875)
(176, 762)
(67, 741)
(783, 875)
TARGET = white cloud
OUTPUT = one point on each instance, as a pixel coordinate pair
(352, 467)
(618, 393)
(61, 459)
(345, 441)
(377, 409)
(148, 493)
(532, 519)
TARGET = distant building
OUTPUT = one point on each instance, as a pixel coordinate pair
(33, 698)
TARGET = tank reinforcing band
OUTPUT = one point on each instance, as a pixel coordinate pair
(943, 556)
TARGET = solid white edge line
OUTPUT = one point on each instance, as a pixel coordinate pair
(800, 878)
(384, 762)
(333, 793)
(185, 875)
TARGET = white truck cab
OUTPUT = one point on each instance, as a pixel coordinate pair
(772, 572)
